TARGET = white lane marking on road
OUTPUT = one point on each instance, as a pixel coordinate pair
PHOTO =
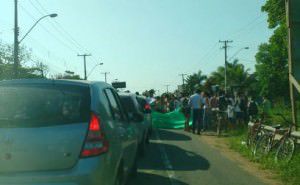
(166, 161)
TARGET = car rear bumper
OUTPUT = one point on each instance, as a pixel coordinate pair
(89, 171)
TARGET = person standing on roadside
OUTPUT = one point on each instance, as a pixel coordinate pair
(195, 103)
(206, 116)
(186, 110)
(252, 109)
(214, 106)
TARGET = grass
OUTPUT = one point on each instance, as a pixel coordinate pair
(289, 172)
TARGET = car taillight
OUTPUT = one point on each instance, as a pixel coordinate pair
(95, 143)
(147, 107)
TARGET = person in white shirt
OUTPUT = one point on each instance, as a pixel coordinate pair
(195, 103)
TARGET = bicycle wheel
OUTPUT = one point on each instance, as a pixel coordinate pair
(262, 147)
(285, 150)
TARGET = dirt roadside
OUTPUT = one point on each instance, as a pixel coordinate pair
(221, 144)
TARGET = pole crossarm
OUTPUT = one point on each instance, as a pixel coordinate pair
(84, 63)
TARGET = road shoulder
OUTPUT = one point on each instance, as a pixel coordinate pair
(222, 144)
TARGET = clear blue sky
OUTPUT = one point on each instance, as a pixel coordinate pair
(146, 43)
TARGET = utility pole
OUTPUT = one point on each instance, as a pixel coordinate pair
(84, 62)
(225, 47)
(105, 74)
(167, 86)
(16, 43)
(182, 75)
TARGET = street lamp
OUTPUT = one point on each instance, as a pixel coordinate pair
(236, 53)
(17, 41)
(100, 64)
(49, 15)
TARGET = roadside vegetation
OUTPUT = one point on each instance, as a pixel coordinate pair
(287, 172)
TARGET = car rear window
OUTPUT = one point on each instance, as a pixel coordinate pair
(45, 105)
(128, 104)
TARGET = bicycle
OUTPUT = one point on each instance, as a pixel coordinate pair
(268, 141)
(254, 133)
(286, 148)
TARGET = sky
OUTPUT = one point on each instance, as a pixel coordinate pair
(146, 43)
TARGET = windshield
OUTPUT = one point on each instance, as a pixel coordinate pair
(23, 106)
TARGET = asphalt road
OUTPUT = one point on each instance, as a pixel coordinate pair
(175, 157)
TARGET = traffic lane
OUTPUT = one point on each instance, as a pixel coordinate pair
(195, 162)
(151, 168)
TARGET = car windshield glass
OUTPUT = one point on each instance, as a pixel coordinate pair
(128, 104)
(23, 106)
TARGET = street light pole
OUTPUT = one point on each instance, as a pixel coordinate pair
(49, 15)
(16, 42)
(236, 53)
(16, 39)
(100, 64)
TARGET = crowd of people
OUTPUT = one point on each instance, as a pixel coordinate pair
(201, 108)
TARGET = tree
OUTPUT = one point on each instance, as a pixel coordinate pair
(237, 76)
(272, 57)
(150, 93)
(193, 82)
(6, 63)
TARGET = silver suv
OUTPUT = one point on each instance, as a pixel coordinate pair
(64, 132)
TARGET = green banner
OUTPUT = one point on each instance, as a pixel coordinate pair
(173, 119)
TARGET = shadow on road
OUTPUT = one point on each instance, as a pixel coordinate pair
(181, 160)
(172, 136)
(153, 179)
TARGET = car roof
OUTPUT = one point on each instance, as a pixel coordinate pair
(126, 94)
(140, 96)
(51, 81)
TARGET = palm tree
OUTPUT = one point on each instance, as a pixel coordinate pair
(194, 81)
(237, 75)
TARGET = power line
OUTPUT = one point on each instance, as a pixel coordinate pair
(209, 52)
(60, 30)
(246, 26)
(45, 29)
